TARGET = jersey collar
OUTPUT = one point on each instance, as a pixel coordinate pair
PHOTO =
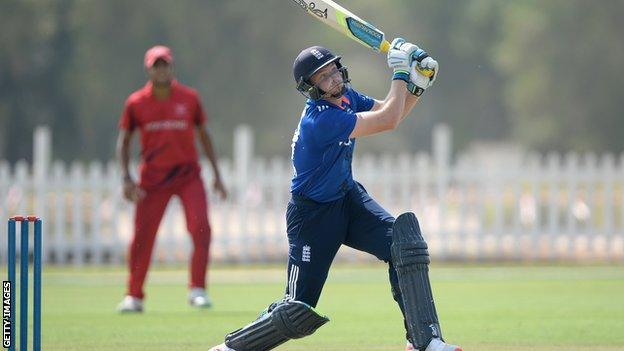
(344, 100)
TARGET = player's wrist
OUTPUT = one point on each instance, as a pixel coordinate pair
(215, 171)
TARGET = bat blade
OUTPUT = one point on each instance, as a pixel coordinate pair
(350, 25)
(346, 22)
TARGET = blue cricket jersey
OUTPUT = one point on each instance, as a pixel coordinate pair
(321, 149)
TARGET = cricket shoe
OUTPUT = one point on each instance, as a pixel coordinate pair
(198, 298)
(130, 304)
(221, 347)
(438, 345)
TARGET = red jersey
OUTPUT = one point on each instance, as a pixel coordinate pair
(167, 128)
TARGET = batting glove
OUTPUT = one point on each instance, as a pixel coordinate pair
(420, 69)
(399, 60)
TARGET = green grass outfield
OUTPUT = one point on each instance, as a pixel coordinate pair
(482, 308)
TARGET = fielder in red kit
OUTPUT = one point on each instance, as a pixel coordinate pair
(167, 115)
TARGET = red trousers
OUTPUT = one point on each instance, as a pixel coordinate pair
(149, 212)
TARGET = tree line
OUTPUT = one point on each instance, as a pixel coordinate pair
(544, 74)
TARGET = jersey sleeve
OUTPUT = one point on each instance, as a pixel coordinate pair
(127, 120)
(363, 102)
(334, 125)
(200, 115)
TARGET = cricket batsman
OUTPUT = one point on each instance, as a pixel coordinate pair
(328, 208)
(167, 115)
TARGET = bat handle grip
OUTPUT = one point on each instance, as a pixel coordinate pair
(384, 46)
(425, 71)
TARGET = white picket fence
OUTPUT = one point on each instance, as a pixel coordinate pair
(555, 208)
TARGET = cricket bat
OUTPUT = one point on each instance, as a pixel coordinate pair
(348, 24)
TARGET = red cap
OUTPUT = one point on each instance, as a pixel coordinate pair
(157, 52)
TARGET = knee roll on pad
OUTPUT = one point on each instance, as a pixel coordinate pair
(410, 258)
(408, 246)
(281, 322)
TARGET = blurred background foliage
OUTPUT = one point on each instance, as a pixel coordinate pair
(542, 74)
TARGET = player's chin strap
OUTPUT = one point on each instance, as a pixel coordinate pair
(281, 321)
(410, 258)
(345, 85)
